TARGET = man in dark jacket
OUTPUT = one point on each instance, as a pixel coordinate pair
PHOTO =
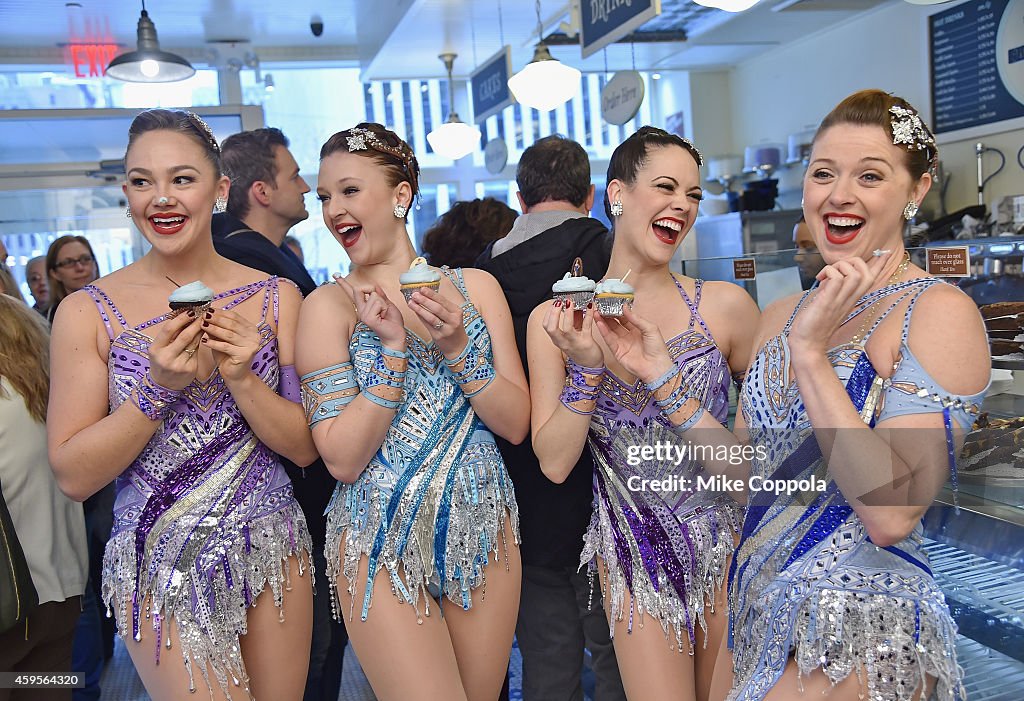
(265, 201)
(555, 622)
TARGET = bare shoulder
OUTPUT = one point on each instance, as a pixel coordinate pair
(481, 280)
(728, 296)
(947, 336)
(329, 300)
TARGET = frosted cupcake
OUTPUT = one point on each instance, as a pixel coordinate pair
(574, 286)
(194, 295)
(419, 276)
(612, 295)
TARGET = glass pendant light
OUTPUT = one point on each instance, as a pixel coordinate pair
(545, 82)
(453, 139)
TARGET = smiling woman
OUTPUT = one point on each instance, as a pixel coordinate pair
(205, 523)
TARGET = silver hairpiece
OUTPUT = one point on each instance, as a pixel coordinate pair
(199, 122)
(361, 138)
(694, 149)
(908, 129)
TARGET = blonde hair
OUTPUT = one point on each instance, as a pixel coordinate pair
(25, 354)
(8, 285)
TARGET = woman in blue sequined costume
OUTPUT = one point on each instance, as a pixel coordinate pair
(189, 412)
(882, 369)
(403, 398)
(661, 552)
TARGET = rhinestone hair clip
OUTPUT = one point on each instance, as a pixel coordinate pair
(201, 123)
(908, 129)
(360, 139)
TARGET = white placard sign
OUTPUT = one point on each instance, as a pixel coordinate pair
(622, 97)
(495, 156)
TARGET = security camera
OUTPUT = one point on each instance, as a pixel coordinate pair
(316, 25)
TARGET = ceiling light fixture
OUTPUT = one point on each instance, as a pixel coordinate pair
(268, 83)
(545, 82)
(453, 139)
(728, 5)
(148, 64)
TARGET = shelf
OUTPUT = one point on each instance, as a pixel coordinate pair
(1009, 364)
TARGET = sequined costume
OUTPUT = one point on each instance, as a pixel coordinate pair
(431, 505)
(204, 518)
(806, 579)
(668, 548)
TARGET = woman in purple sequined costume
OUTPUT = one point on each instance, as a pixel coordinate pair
(188, 412)
(660, 545)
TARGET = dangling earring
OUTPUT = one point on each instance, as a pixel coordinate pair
(128, 211)
(400, 211)
(220, 205)
(616, 208)
(910, 211)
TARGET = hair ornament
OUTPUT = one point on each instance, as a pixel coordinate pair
(205, 128)
(361, 138)
(908, 129)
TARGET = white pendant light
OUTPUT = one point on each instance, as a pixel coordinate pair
(728, 5)
(545, 82)
(148, 64)
(453, 139)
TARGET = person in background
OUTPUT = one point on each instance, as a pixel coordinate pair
(557, 618)
(49, 526)
(295, 247)
(35, 276)
(462, 233)
(8, 285)
(404, 400)
(189, 409)
(808, 260)
(661, 552)
(71, 265)
(265, 201)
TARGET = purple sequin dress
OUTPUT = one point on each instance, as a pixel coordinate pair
(668, 548)
(204, 517)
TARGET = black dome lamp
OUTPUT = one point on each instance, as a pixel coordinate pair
(148, 64)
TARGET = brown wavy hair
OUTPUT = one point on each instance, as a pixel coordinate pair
(383, 146)
(8, 285)
(25, 354)
(464, 231)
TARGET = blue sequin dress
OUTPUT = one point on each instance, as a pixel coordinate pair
(806, 579)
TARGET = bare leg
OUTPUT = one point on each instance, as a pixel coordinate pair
(721, 682)
(482, 636)
(169, 680)
(403, 659)
(709, 644)
(652, 667)
(276, 652)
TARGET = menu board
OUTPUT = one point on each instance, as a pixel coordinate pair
(977, 64)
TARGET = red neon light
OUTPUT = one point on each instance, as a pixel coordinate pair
(90, 60)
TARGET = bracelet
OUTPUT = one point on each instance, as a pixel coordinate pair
(326, 392)
(654, 385)
(472, 371)
(671, 394)
(152, 399)
(689, 423)
(582, 385)
(384, 385)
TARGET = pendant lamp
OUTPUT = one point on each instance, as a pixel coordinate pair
(453, 139)
(148, 64)
(545, 82)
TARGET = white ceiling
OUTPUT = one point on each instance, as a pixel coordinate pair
(402, 38)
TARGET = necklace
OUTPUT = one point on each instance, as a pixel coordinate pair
(868, 313)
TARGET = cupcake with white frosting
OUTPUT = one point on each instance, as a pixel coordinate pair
(194, 295)
(419, 276)
(612, 295)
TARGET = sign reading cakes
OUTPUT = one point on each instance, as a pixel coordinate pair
(489, 85)
(949, 262)
(603, 22)
(744, 269)
(621, 97)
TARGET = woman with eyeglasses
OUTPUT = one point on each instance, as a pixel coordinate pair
(659, 544)
(207, 567)
(71, 265)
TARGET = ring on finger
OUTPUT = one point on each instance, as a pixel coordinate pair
(439, 325)
(190, 352)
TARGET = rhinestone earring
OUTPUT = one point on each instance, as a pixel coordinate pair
(616, 208)
(128, 211)
(910, 211)
(400, 211)
(220, 205)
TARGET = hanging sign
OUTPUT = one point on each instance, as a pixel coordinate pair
(621, 97)
(489, 85)
(605, 21)
(495, 156)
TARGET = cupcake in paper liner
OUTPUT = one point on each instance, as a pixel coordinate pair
(419, 276)
(579, 289)
(612, 295)
(194, 295)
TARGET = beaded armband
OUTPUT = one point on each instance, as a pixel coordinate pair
(326, 392)
(579, 395)
(384, 384)
(671, 395)
(152, 399)
(472, 371)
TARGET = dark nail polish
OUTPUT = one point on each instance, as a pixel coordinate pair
(192, 313)
(205, 324)
(590, 305)
(209, 315)
(204, 339)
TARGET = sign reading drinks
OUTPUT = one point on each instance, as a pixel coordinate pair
(949, 262)
(489, 85)
(603, 22)
(621, 97)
